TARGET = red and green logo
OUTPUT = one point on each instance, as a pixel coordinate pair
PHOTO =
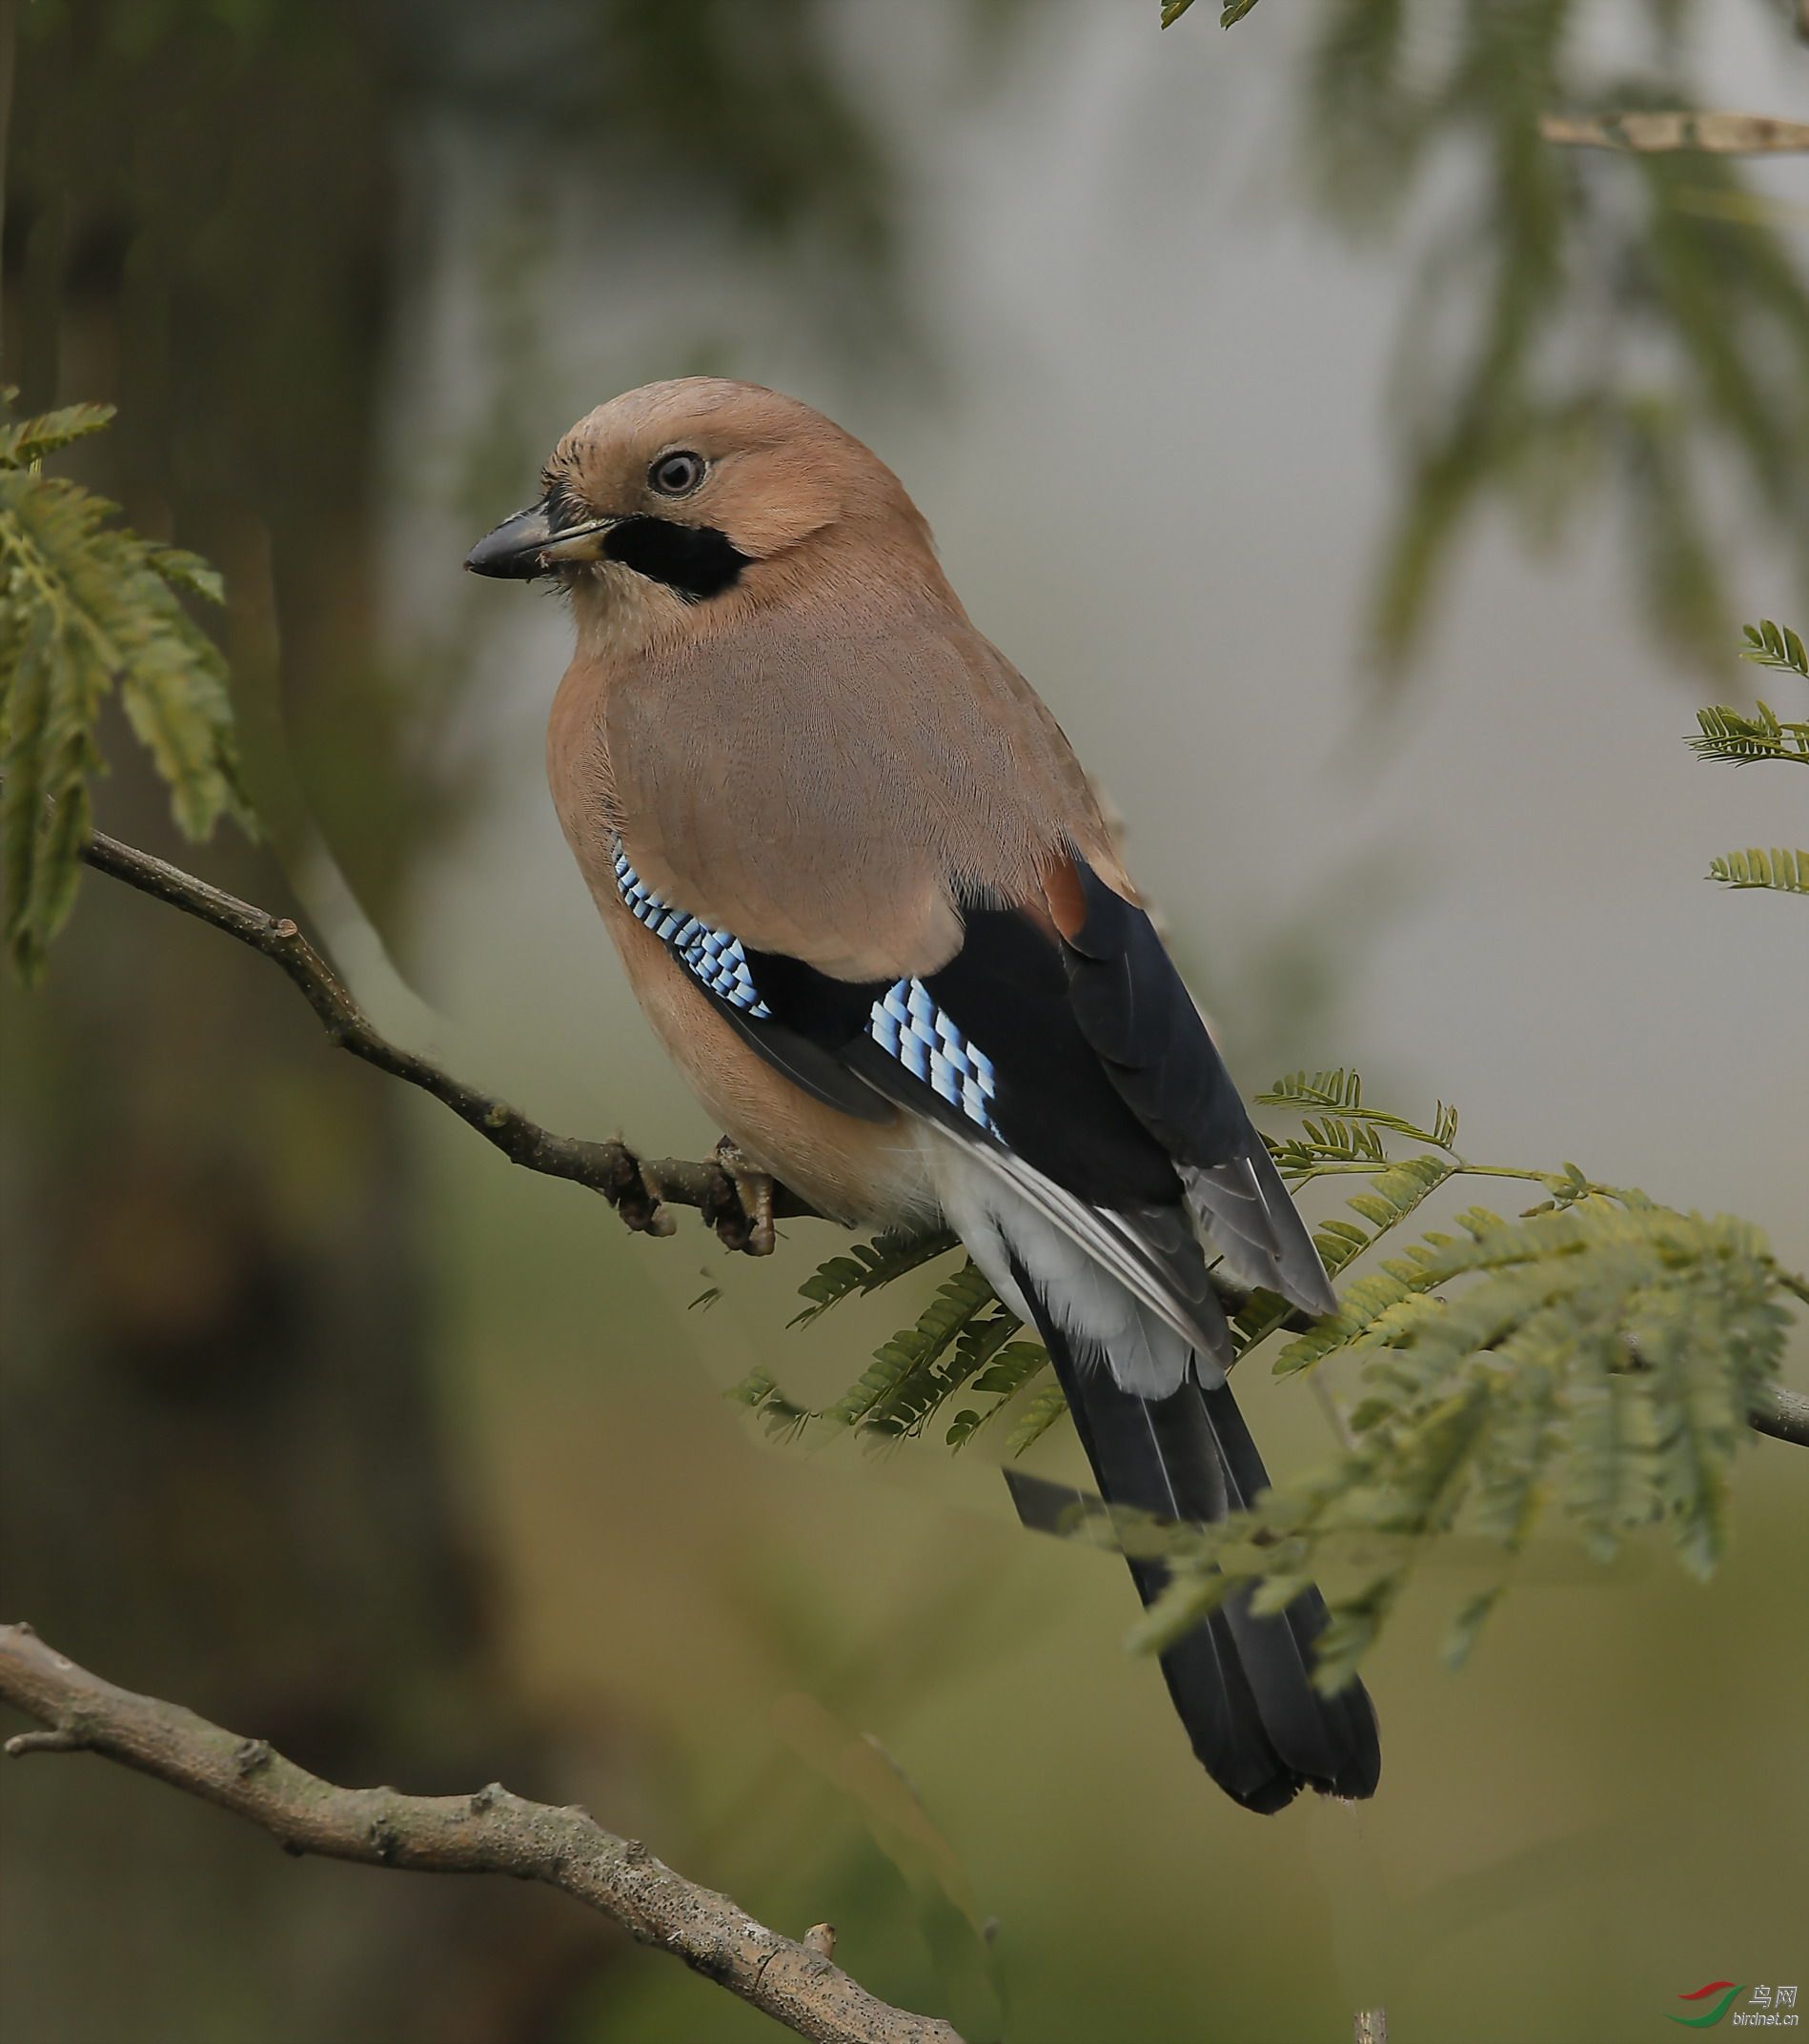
(1712, 2016)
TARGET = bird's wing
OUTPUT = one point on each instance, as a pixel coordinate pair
(926, 905)
(1137, 1016)
(1073, 1067)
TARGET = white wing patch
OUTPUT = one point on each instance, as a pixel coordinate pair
(1086, 1262)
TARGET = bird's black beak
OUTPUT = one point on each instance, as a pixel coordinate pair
(526, 546)
(514, 548)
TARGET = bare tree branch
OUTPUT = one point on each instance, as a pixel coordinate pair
(491, 1831)
(1716, 134)
(640, 1190)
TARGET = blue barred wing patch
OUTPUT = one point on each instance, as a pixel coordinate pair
(905, 1022)
(712, 955)
(908, 1026)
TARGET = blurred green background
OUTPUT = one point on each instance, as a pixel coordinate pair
(1372, 492)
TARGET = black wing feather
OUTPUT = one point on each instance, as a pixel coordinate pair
(1133, 1009)
(1135, 1013)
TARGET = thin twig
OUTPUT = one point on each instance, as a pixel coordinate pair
(491, 1831)
(1715, 135)
(640, 1190)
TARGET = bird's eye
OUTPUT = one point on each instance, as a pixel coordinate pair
(677, 474)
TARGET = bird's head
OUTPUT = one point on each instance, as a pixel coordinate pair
(678, 493)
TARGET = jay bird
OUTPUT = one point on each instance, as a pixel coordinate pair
(866, 894)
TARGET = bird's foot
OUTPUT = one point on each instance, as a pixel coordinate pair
(741, 1210)
(634, 1192)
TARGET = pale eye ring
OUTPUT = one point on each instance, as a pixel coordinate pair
(677, 474)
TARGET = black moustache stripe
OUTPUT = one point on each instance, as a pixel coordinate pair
(696, 561)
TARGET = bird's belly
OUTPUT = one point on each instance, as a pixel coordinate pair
(871, 1174)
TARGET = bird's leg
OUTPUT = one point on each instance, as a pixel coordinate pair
(634, 1192)
(742, 1217)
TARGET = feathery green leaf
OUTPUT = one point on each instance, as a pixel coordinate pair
(87, 608)
(1775, 645)
(1786, 871)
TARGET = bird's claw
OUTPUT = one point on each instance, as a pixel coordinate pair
(634, 1192)
(741, 1211)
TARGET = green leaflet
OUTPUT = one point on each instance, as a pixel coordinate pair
(963, 1335)
(1741, 740)
(1731, 736)
(1785, 871)
(782, 1417)
(1773, 645)
(1590, 1360)
(85, 607)
(905, 1382)
(1395, 1191)
(1601, 1361)
(1342, 1092)
(866, 1267)
(28, 440)
(1039, 1416)
(1015, 1365)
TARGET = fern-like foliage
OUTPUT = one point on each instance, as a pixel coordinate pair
(1598, 1362)
(87, 607)
(1775, 645)
(1786, 871)
(1729, 736)
(1594, 1359)
(1231, 12)
(1350, 1121)
(866, 1268)
(1741, 740)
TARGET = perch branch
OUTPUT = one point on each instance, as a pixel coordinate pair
(1716, 134)
(1782, 1414)
(491, 1831)
(640, 1189)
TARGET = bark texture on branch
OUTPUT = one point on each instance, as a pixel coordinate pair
(640, 1190)
(1715, 135)
(489, 1832)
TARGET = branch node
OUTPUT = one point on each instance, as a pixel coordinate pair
(57, 1739)
(821, 1940)
(249, 1755)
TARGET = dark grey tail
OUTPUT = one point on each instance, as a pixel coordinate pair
(1241, 1683)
